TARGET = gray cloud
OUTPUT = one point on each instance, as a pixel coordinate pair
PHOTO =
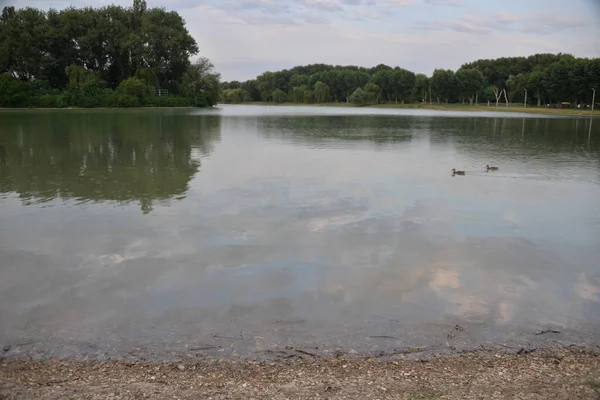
(271, 13)
(367, 14)
(401, 3)
(247, 5)
(316, 19)
(453, 3)
(324, 5)
(60, 4)
(359, 2)
(269, 20)
(551, 23)
(284, 20)
(500, 22)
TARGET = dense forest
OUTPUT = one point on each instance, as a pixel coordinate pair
(94, 57)
(543, 78)
(123, 57)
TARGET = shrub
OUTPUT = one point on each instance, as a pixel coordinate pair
(127, 100)
(134, 87)
(361, 97)
(47, 101)
(168, 101)
(13, 92)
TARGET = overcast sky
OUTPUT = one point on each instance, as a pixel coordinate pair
(244, 38)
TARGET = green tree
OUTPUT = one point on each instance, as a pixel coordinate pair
(13, 92)
(279, 96)
(80, 77)
(308, 96)
(384, 80)
(359, 96)
(133, 92)
(421, 87)
(469, 82)
(535, 83)
(266, 85)
(201, 84)
(168, 45)
(297, 94)
(442, 84)
(23, 42)
(62, 49)
(403, 84)
(147, 76)
(238, 95)
(321, 92)
(516, 85)
(373, 91)
(299, 80)
(349, 81)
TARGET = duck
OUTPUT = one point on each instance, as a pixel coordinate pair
(455, 172)
(487, 167)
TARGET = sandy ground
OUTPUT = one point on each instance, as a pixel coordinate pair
(558, 374)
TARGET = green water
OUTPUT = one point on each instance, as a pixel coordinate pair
(245, 228)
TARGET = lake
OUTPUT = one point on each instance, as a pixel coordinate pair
(239, 230)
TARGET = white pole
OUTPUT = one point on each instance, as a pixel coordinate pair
(525, 102)
(593, 98)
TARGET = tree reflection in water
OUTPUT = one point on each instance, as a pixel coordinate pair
(124, 156)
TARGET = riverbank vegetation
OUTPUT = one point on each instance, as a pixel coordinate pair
(101, 57)
(543, 80)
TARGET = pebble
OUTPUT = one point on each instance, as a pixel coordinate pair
(6, 347)
(181, 367)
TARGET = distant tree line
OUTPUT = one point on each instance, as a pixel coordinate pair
(548, 79)
(109, 56)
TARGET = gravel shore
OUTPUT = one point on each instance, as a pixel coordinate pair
(550, 373)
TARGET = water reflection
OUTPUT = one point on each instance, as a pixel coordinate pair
(103, 156)
(300, 229)
(327, 130)
(504, 135)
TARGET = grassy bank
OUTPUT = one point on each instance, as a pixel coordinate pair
(543, 374)
(454, 107)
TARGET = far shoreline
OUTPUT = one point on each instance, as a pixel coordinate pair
(567, 112)
(441, 107)
(99, 108)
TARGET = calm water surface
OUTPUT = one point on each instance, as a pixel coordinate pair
(244, 229)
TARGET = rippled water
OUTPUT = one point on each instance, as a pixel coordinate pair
(243, 229)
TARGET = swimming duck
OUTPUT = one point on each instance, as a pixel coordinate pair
(455, 172)
(487, 167)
